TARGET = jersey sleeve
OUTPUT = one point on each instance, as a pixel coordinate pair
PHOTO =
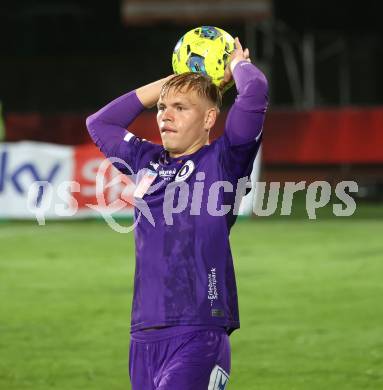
(243, 127)
(108, 130)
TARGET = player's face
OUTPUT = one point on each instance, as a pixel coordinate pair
(184, 120)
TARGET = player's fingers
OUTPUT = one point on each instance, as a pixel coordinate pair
(237, 44)
(246, 53)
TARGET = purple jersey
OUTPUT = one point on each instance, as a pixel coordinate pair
(184, 268)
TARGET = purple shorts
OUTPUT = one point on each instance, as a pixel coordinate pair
(180, 358)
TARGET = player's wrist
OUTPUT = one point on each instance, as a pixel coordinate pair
(235, 62)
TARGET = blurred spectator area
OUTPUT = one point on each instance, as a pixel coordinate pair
(66, 56)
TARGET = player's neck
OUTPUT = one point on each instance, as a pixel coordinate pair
(192, 149)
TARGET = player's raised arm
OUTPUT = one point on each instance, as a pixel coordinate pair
(245, 119)
(107, 127)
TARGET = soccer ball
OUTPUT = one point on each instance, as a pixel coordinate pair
(204, 49)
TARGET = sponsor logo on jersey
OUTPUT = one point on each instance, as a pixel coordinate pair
(167, 174)
(186, 170)
(212, 291)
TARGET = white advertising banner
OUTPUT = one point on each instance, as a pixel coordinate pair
(22, 166)
(39, 180)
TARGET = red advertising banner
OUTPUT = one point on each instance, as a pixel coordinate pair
(100, 183)
(331, 136)
(324, 137)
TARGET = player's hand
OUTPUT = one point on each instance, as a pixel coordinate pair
(236, 56)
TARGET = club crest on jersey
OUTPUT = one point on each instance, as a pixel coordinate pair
(186, 170)
(218, 379)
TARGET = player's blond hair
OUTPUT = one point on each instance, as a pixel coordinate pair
(198, 82)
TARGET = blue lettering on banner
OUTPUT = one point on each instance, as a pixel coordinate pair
(27, 168)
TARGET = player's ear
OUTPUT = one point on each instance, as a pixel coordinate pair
(210, 117)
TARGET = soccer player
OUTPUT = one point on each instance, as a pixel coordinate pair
(185, 298)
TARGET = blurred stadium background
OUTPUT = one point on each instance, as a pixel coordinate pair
(310, 291)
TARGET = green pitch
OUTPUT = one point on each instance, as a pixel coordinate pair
(310, 295)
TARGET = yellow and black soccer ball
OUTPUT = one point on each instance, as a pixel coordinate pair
(204, 49)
